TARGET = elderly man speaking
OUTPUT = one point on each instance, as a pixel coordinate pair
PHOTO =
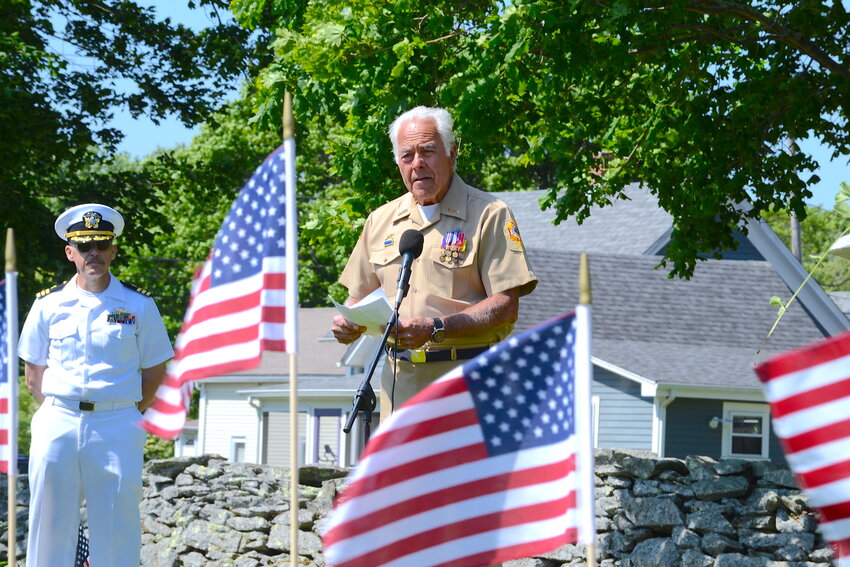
(464, 288)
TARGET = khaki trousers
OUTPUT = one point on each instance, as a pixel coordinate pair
(410, 380)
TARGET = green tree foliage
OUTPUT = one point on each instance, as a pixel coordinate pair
(65, 68)
(695, 98)
(175, 200)
(818, 231)
(27, 405)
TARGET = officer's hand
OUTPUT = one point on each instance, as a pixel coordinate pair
(345, 331)
(414, 332)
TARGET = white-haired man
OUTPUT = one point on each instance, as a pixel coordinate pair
(94, 350)
(464, 288)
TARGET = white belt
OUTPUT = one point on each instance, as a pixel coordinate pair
(82, 405)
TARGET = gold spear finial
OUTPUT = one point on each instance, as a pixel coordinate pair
(10, 249)
(584, 280)
(288, 122)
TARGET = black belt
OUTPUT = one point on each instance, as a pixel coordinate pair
(443, 355)
(86, 406)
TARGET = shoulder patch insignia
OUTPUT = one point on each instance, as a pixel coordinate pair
(136, 288)
(512, 235)
(50, 290)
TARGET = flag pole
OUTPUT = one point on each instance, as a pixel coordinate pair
(292, 319)
(12, 374)
(584, 429)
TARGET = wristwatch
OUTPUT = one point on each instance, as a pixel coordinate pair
(438, 335)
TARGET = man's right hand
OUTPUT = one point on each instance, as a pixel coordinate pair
(345, 331)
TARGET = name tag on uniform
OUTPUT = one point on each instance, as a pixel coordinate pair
(121, 316)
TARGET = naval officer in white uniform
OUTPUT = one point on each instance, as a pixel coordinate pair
(94, 350)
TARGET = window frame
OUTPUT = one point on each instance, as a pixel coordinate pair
(235, 441)
(731, 410)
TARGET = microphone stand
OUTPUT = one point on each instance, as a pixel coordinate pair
(364, 399)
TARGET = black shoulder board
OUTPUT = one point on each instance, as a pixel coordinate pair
(136, 288)
(50, 290)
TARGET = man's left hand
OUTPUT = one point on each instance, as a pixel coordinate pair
(413, 333)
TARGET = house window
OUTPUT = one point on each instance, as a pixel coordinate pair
(746, 431)
(327, 429)
(237, 449)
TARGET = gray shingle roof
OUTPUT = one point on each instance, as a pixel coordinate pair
(703, 331)
(626, 227)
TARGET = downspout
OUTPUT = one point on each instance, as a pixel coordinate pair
(202, 420)
(257, 405)
(660, 418)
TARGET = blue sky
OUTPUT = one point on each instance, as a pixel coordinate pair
(143, 136)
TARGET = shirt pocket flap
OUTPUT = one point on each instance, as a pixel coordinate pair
(62, 330)
(384, 256)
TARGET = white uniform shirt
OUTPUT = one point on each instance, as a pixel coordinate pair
(94, 344)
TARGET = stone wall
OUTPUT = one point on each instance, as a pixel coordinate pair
(650, 512)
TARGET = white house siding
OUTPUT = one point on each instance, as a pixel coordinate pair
(625, 418)
(228, 416)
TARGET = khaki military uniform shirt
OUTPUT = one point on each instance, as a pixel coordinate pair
(441, 284)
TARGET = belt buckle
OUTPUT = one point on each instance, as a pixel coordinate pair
(86, 406)
(418, 355)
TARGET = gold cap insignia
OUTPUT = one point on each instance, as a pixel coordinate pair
(92, 219)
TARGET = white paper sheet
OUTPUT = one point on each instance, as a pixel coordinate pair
(372, 312)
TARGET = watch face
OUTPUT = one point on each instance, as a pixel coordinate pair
(438, 335)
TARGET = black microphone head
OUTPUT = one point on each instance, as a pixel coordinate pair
(411, 243)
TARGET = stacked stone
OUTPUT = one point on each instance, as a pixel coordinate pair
(650, 512)
(206, 511)
(696, 512)
(22, 499)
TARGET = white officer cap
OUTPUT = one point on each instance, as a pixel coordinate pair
(92, 221)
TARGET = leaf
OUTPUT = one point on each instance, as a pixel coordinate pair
(841, 199)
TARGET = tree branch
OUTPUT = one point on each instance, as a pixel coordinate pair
(782, 33)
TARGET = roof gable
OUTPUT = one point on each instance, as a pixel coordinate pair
(708, 330)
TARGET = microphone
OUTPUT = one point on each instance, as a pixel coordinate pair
(410, 247)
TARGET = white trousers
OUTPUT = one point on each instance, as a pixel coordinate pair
(93, 455)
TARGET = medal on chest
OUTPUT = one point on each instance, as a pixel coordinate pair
(121, 316)
(453, 247)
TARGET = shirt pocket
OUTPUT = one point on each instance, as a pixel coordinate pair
(454, 277)
(116, 342)
(65, 341)
(387, 264)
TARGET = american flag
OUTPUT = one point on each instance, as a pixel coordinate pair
(479, 467)
(809, 394)
(5, 416)
(81, 557)
(243, 299)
